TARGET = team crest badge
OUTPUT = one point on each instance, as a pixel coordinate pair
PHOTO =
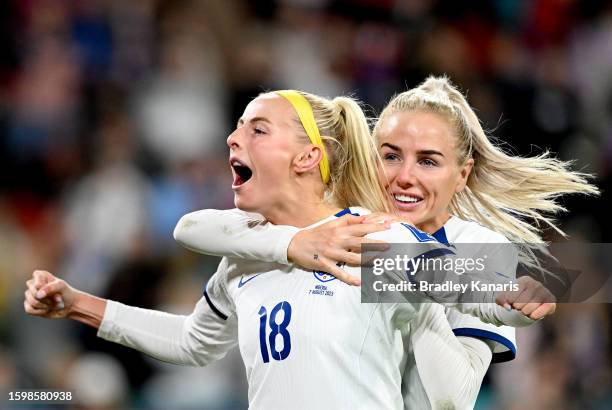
(323, 276)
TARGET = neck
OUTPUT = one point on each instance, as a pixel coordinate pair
(300, 214)
(301, 206)
(433, 225)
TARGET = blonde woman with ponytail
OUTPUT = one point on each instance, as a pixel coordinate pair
(514, 196)
(306, 341)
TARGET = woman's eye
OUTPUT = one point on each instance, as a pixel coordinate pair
(428, 162)
(259, 131)
(391, 157)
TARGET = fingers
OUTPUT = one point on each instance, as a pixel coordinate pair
(542, 301)
(30, 297)
(58, 302)
(351, 219)
(30, 310)
(502, 300)
(361, 229)
(329, 266)
(509, 299)
(532, 299)
(43, 294)
(343, 276)
(355, 245)
(350, 251)
(506, 299)
(34, 303)
(528, 308)
(345, 220)
(524, 297)
(381, 217)
(56, 286)
(544, 309)
(31, 286)
(340, 255)
(41, 277)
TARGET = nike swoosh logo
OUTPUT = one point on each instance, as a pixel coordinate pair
(241, 283)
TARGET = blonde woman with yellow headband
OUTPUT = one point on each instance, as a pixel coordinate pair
(297, 160)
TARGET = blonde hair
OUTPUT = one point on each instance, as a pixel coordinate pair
(353, 157)
(512, 195)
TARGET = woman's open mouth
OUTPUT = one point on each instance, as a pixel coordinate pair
(241, 172)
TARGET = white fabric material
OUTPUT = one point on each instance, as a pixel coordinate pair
(460, 231)
(240, 234)
(193, 340)
(234, 233)
(442, 371)
(344, 354)
(264, 244)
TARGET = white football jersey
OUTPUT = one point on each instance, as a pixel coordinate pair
(501, 338)
(306, 339)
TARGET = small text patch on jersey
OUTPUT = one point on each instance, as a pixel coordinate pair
(321, 290)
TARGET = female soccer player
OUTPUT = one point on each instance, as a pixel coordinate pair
(445, 176)
(302, 348)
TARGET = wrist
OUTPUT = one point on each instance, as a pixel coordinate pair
(76, 306)
(87, 309)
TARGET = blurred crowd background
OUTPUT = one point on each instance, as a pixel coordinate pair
(113, 120)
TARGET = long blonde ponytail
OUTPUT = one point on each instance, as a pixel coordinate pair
(353, 157)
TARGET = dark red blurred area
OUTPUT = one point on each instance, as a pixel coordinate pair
(113, 120)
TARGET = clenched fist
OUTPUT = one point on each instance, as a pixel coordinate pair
(48, 296)
(532, 299)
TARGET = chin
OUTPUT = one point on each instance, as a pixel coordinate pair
(407, 214)
(244, 205)
(240, 203)
(413, 217)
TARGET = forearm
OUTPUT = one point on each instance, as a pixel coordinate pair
(193, 340)
(87, 309)
(450, 368)
(233, 233)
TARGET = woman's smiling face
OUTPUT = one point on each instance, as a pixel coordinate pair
(419, 154)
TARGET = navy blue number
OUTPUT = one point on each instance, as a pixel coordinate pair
(276, 329)
(263, 318)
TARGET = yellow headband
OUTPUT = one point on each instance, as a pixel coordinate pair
(304, 111)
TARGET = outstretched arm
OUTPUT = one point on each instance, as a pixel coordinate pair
(193, 340)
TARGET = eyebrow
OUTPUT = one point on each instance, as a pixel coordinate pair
(430, 152)
(421, 152)
(252, 120)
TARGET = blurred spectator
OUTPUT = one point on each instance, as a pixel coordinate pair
(113, 121)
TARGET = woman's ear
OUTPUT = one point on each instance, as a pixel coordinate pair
(464, 174)
(307, 159)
